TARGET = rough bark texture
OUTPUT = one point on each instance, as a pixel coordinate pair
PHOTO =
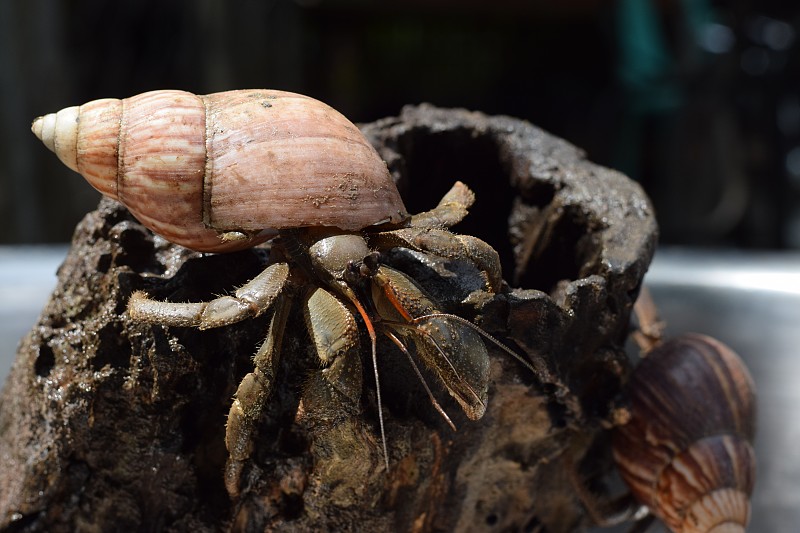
(106, 424)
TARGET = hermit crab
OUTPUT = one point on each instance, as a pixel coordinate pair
(226, 171)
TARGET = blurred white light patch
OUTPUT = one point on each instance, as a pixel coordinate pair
(778, 273)
(777, 34)
(717, 38)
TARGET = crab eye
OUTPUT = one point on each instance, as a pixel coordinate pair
(370, 264)
(353, 272)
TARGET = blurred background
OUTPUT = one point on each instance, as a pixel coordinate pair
(699, 100)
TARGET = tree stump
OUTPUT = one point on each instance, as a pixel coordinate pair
(106, 424)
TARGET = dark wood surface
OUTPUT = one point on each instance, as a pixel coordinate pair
(752, 302)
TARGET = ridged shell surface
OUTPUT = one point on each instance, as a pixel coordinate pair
(687, 452)
(191, 167)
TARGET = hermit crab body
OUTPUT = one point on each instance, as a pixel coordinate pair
(228, 170)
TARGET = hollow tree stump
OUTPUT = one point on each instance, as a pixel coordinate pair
(106, 424)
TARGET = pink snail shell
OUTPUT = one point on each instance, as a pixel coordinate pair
(192, 168)
(687, 452)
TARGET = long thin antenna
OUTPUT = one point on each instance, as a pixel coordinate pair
(439, 349)
(378, 395)
(373, 340)
(537, 366)
(539, 370)
(422, 380)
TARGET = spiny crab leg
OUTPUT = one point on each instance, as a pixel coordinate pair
(251, 396)
(249, 300)
(422, 380)
(451, 210)
(448, 245)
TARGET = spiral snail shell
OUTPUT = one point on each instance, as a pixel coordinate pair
(224, 171)
(687, 451)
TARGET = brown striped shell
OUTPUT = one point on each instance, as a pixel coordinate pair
(244, 163)
(687, 452)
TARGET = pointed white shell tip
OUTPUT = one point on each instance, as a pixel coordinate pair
(36, 127)
(43, 129)
(59, 132)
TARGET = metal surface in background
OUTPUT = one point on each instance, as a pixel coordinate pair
(749, 301)
(27, 277)
(752, 303)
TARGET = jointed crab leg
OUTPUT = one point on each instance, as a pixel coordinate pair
(251, 396)
(334, 333)
(445, 244)
(452, 209)
(249, 300)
